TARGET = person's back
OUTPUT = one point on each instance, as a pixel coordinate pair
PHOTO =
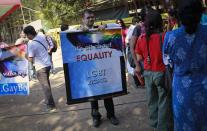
(186, 48)
(181, 54)
(42, 59)
(155, 50)
(148, 49)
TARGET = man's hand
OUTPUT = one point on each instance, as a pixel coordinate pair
(49, 51)
(101, 27)
(138, 69)
(84, 28)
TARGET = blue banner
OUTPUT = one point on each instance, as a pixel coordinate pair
(14, 78)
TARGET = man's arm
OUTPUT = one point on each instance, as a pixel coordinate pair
(132, 47)
(31, 53)
(133, 41)
(138, 68)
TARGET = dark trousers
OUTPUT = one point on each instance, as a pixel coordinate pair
(109, 105)
(52, 66)
(43, 77)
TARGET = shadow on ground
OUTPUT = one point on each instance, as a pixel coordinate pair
(27, 113)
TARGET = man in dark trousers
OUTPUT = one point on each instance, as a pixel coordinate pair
(88, 23)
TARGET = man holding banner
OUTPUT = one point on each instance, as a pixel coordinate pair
(88, 23)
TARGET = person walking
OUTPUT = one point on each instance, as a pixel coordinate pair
(38, 55)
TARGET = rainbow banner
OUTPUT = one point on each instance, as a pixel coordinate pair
(93, 64)
(14, 78)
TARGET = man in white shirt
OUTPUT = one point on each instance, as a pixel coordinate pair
(38, 54)
(135, 22)
(50, 46)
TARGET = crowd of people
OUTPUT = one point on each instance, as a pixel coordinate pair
(181, 51)
(153, 51)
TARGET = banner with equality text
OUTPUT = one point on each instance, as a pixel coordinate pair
(93, 64)
(14, 78)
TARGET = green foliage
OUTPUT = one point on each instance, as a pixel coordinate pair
(55, 12)
(61, 11)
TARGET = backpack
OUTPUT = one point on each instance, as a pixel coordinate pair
(54, 49)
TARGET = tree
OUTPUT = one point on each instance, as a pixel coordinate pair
(62, 11)
(55, 12)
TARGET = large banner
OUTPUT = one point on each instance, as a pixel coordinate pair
(93, 64)
(14, 78)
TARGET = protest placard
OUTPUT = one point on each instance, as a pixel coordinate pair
(14, 78)
(94, 64)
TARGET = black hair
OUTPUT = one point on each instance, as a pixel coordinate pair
(64, 27)
(135, 20)
(42, 30)
(148, 3)
(173, 12)
(87, 11)
(153, 23)
(121, 22)
(190, 12)
(29, 30)
(144, 12)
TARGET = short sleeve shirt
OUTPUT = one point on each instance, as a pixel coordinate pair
(155, 52)
(39, 53)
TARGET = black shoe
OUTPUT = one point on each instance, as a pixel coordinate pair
(96, 122)
(114, 120)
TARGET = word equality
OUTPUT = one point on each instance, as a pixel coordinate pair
(94, 56)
